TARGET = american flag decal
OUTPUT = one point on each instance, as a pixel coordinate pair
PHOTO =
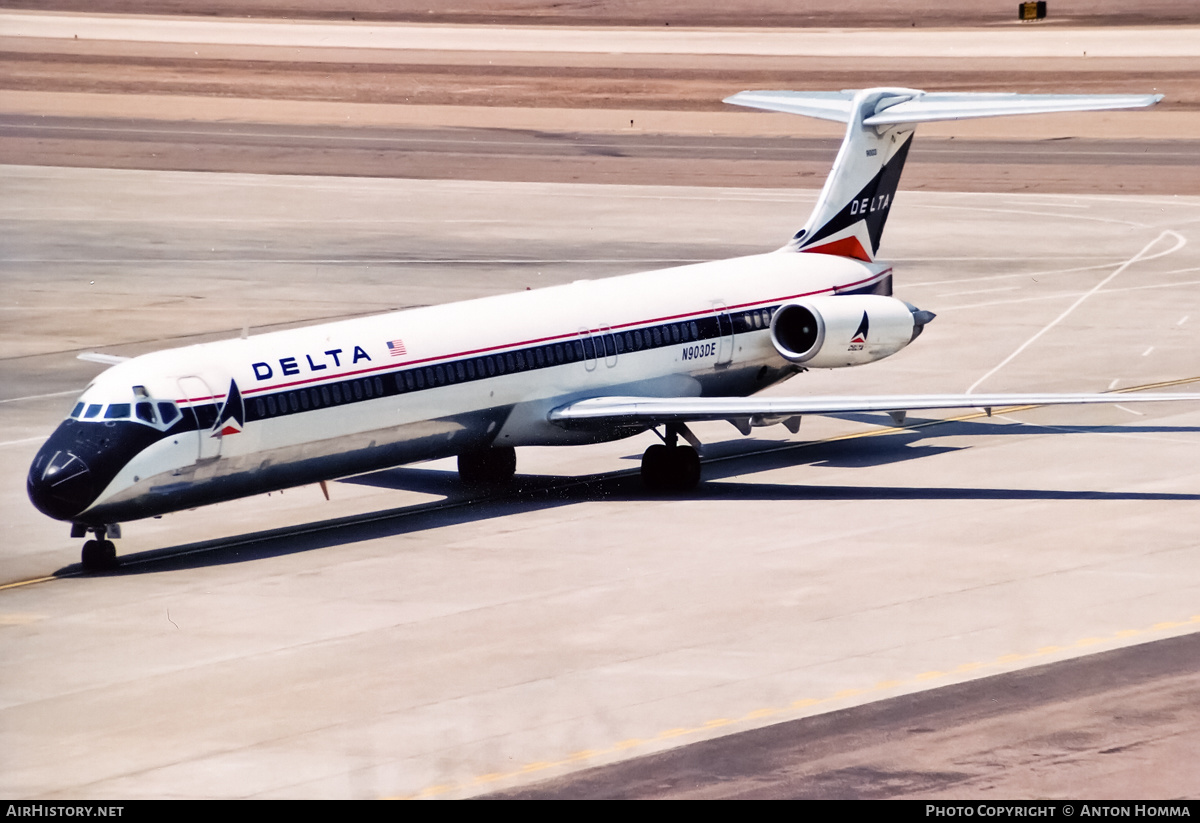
(396, 347)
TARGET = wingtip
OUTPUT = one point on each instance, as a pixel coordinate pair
(103, 359)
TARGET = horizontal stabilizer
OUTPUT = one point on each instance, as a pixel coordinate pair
(654, 410)
(824, 105)
(928, 107)
(97, 357)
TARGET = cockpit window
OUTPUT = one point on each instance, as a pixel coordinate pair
(117, 411)
(92, 411)
(168, 412)
(78, 410)
(145, 411)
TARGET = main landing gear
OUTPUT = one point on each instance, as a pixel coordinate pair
(487, 468)
(670, 466)
(99, 554)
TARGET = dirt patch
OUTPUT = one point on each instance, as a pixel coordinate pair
(508, 84)
(752, 13)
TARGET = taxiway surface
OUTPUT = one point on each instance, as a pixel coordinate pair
(449, 647)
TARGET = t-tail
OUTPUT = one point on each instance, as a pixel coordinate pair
(853, 207)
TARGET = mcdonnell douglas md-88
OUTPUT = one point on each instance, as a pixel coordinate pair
(580, 363)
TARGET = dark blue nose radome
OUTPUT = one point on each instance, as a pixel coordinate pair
(60, 484)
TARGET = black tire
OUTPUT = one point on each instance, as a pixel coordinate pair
(92, 556)
(99, 555)
(670, 469)
(685, 468)
(487, 467)
(656, 468)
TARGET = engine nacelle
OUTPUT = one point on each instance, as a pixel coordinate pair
(847, 330)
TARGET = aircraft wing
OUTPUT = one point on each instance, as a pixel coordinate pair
(746, 411)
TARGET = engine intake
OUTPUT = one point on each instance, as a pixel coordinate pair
(845, 330)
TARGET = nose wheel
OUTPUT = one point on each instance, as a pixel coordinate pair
(99, 554)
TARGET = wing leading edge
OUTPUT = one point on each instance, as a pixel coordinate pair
(652, 411)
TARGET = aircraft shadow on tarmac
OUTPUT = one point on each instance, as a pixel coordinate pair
(723, 460)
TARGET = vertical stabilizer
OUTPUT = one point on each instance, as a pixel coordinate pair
(856, 200)
(854, 205)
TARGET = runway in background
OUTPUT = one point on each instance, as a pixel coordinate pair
(964, 606)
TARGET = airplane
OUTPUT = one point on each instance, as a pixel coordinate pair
(592, 361)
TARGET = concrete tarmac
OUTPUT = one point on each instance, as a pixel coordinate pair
(1043, 732)
(404, 640)
(1077, 165)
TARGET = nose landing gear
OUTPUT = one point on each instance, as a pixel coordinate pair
(99, 554)
(670, 466)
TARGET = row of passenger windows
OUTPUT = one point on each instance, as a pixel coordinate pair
(333, 394)
(586, 348)
(165, 415)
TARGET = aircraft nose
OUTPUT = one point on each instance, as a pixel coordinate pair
(60, 484)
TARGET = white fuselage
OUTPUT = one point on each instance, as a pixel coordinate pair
(359, 395)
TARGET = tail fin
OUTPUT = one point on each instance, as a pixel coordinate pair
(853, 207)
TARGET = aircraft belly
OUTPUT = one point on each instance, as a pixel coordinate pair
(664, 373)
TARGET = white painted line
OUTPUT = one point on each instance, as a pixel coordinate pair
(1114, 383)
(1147, 351)
(979, 291)
(41, 396)
(995, 210)
(1180, 242)
(1043, 273)
(24, 440)
(350, 261)
(1131, 411)
(1055, 296)
(1182, 320)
